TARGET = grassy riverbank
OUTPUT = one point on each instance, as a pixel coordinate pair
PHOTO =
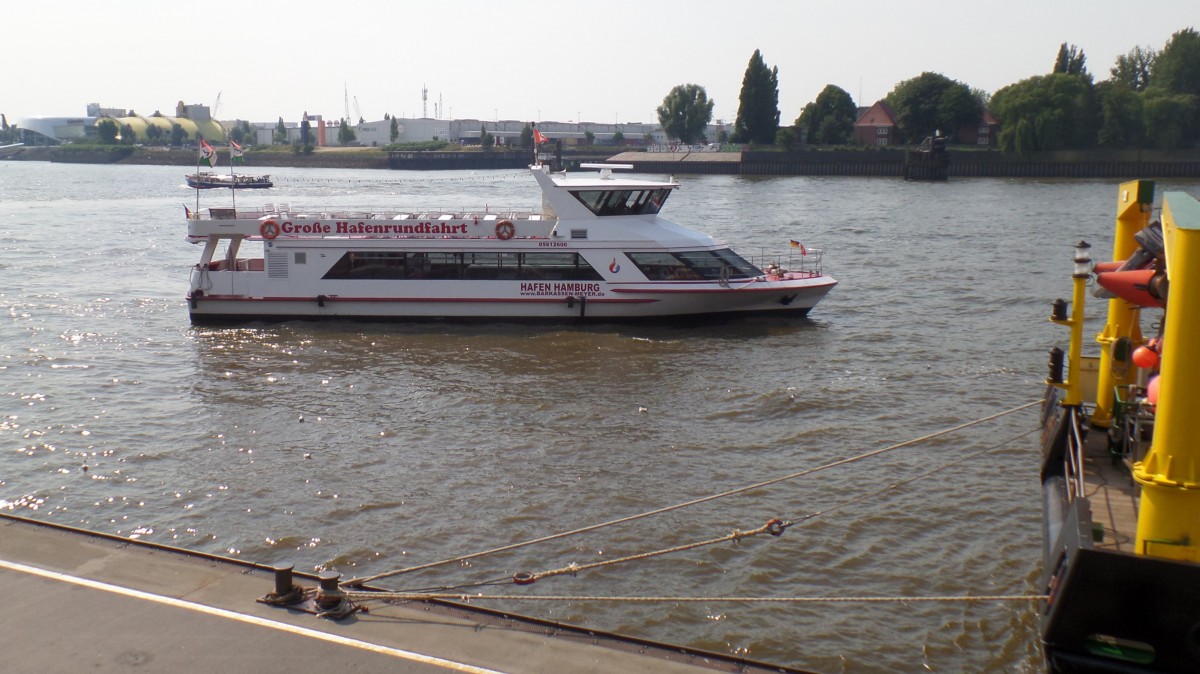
(366, 157)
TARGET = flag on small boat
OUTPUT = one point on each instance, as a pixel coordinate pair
(539, 138)
(797, 244)
(207, 153)
(236, 151)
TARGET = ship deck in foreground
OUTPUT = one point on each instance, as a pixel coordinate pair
(77, 601)
(1121, 453)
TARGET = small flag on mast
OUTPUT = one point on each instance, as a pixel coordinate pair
(207, 153)
(797, 244)
(538, 137)
(235, 151)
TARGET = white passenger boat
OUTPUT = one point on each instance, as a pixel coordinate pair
(597, 251)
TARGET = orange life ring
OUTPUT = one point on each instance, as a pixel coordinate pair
(505, 230)
(269, 229)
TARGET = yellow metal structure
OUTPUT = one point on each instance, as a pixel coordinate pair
(1122, 333)
(1169, 517)
(1072, 385)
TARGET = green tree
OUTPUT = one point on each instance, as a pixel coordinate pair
(685, 111)
(1053, 111)
(128, 137)
(618, 137)
(932, 102)
(177, 134)
(486, 140)
(589, 137)
(1171, 119)
(242, 133)
(106, 131)
(305, 131)
(527, 136)
(1070, 60)
(758, 103)
(1121, 115)
(394, 131)
(281, 134)
(786, 136)
(1177, 68)
(1132, 69)
(829, 119)
(154, 134)
(346, 133)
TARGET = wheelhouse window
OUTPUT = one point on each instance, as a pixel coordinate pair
(359, 265)
(699, 265)
(623, 202)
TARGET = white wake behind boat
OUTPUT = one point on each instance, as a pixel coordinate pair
(597, 251)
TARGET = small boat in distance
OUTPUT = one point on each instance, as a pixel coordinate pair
(206, 180)
(597, 251)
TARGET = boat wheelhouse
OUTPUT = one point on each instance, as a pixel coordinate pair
(598, 250)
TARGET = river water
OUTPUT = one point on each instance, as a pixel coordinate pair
(369, 447)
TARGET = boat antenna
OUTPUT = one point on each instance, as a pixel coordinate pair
(534, 144)
(232, 179)
(198, 137)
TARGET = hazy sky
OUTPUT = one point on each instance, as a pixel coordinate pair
(563, 60)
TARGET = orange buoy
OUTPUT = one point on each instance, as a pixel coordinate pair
(1152, 391)
(1133, 286)
(1145, 357)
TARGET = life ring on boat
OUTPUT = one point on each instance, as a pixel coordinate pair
(269, 229)
(505, 230)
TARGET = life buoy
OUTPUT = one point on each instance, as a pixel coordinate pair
(269, 229)
(505, 230)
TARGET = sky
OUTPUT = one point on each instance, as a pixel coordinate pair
(600, 61)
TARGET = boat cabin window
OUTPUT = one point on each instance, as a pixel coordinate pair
(371, 265)
(699, 265)
(623, 202)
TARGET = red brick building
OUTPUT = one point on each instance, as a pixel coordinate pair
(982, 134)
(877, 126)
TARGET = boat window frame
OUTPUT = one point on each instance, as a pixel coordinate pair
(441, 265)
(623, 200)
(689, 265)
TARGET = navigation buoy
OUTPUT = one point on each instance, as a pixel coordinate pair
(1152, 391)
(1145, 357)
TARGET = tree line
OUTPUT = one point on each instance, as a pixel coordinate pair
(1151, 100)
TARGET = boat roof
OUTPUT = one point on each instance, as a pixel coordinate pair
(605, 179)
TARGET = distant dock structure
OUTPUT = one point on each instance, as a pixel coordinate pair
(929, 161)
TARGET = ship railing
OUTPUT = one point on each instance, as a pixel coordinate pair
(807, 260)
(1132, 427)
(285, 210)
(1073, 458)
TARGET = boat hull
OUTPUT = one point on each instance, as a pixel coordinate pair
(619, 304)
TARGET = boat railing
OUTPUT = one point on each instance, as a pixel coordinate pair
(289, 211)
(807, 260)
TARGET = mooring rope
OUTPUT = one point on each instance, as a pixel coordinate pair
(841, 462)
(775, 527)
(359, 595)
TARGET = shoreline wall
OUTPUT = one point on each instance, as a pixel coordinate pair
(885, 163)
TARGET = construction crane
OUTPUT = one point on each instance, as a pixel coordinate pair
(216, 106)
(358, 110)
